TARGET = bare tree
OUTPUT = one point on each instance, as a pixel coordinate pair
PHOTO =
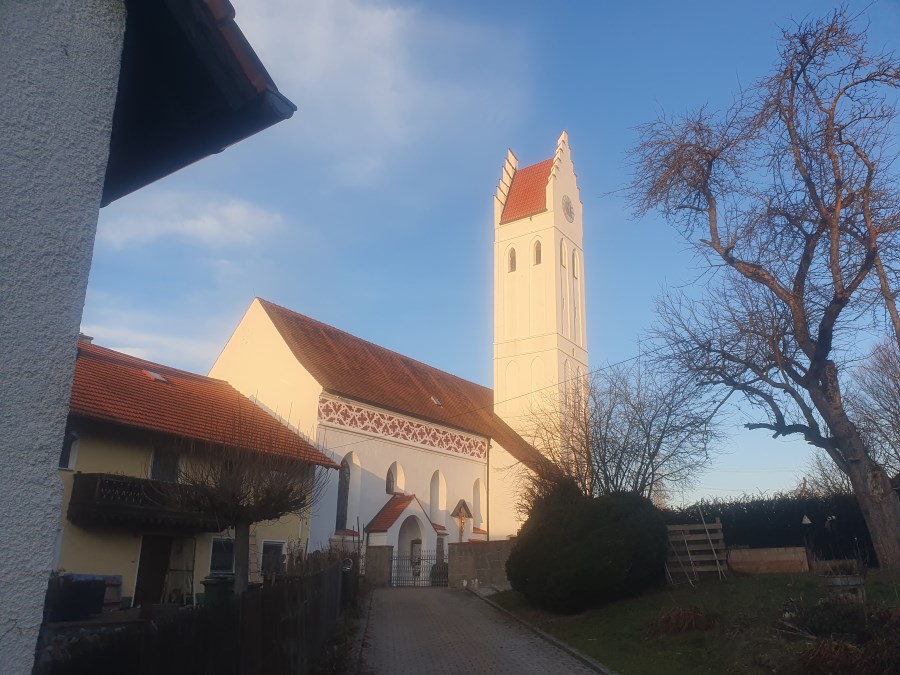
(791, 199)
(875, 404)
(823, 478)
(239, 487)
(623, 429)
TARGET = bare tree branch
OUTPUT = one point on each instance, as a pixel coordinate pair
(791, 193)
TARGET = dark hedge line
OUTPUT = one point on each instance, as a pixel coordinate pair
(837, 529)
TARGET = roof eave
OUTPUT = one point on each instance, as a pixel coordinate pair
(190, 86)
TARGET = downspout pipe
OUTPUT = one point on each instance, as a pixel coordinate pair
(487, 483)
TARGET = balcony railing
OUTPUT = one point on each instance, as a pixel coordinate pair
(106, 499)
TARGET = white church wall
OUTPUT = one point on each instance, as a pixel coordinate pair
(258, 363)
(502, 493)
(377, 453)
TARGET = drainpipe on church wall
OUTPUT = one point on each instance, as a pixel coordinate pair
(488, 490)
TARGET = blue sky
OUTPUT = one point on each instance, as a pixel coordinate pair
(371, 209)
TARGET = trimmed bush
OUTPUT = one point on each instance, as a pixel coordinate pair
(574, 552)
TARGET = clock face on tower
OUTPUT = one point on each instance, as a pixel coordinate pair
(568, 209)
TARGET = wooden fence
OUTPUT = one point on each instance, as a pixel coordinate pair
(276, 629)
(696, 549)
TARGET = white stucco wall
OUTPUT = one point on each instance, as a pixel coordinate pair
(505, 476)
(59, 80)
(376, 454)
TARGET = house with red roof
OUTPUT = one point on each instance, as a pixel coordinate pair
(133, 426)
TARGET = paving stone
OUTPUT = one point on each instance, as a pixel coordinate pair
(450, 631)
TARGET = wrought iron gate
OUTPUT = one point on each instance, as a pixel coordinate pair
(424, 568)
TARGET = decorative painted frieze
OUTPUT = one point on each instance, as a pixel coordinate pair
(344, 414)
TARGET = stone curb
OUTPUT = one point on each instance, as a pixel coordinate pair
(586, 660)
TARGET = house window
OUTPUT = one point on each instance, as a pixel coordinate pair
(221, 560)
(512, 260)
(69, 450)
(272, 558)
(343, 496)
(164, 465)
(537, 253)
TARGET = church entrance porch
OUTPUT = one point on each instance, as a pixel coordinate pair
(413, 565)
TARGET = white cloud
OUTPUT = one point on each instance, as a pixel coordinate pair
(372, 80)
(209, 220)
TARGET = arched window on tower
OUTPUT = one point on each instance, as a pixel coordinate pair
(537, 253)
(512, 260)
(562, 252)
(575, 264)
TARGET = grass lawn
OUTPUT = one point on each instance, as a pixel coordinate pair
(746, 637)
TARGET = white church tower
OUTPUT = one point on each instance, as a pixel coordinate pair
(540, 345)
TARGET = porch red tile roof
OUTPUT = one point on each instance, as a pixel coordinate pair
(389, 513)
(528, 192)
(355, 368)
(114, 387)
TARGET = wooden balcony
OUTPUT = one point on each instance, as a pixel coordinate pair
(112, 500)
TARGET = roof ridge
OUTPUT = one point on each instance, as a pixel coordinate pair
(101, 353)
(369, 342)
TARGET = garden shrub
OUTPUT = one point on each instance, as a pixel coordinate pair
(574, 552)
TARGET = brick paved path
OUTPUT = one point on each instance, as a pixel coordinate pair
(429, 630)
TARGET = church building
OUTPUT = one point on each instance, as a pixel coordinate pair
(426, 457)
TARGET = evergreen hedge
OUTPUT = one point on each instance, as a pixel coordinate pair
(574, 552)
(764, 522)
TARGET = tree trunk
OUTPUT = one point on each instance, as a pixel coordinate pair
(880, 507)
(241, 557)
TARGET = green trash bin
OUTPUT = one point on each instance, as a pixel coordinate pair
(217, 590)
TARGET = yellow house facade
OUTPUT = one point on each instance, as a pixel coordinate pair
(132, 427)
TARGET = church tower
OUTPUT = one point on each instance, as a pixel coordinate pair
(540, 345)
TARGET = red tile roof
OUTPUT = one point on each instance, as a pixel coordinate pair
(478, 530)
(528, 192)
(122, 389)
(354, 368)
(389, 513)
